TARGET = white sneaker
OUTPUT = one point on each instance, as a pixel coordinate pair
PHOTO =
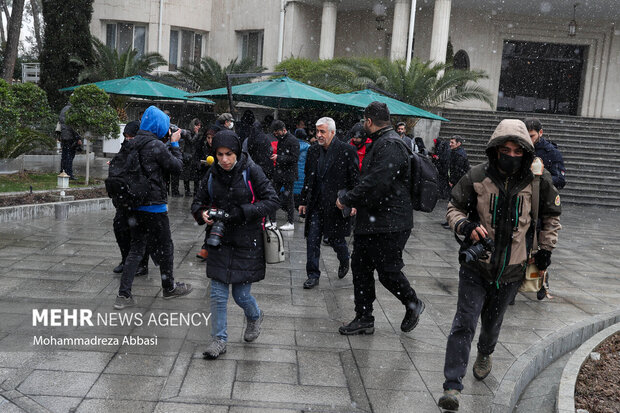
(289, 226)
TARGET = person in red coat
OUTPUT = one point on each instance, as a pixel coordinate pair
(357, 137)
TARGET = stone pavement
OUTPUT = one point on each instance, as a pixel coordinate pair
(300, 362)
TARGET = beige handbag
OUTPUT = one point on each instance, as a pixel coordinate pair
(534, 278)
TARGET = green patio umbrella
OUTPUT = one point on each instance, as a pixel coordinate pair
(139, 87)
(282, 93)
(362, 98)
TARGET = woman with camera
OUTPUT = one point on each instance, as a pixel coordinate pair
(234, 197)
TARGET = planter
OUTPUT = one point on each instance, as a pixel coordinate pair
(114, 145)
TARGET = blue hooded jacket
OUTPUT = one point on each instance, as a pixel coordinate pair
(155, 121)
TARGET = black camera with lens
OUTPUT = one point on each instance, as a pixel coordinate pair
(479, 250)
(217, 230)
(184, 132)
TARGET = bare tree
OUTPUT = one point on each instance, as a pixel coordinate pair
(12, 42)
(2, 36)
(36, 14)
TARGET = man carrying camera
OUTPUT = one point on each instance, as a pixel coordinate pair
(233, 199)
(149, 222)
(491, 207)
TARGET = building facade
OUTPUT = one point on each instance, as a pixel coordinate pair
(524, 46)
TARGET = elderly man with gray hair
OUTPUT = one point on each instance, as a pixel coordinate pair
(331, 168)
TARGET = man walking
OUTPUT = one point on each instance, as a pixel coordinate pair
(459, 164)
(69, 142)
(547, 151)
(383, 224)
(150, 224)
(331, 166)
(494, 201)
(285, 161)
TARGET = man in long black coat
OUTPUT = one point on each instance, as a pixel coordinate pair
(285, 161)
(331, 166)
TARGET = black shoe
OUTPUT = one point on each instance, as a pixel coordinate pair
(412, 315)
(118, 269)
(311, 283)
(359, 325)
(446, 225)
(343, 269)
(512, 302)
(142, 271)
(179, 290)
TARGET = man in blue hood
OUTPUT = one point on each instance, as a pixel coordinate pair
(149, 222)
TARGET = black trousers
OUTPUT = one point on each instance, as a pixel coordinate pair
(152, 229)
(122, 232)
(477, 298)
(384, 253)
(286, 199)
(66, 157)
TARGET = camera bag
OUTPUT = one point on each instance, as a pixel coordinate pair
(127, 184)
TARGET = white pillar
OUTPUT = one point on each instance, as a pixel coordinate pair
(398, 49)
(441, 30)
(328, 30)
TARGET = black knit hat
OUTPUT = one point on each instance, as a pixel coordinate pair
(131, 129)
(227, 139)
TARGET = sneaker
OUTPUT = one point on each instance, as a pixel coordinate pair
(124, 302)
(482, 366)
(412, 316)
(359, 325)
(289, 226)
(179, 290)
(142, 271)
(343, 269)
(203, 254)
(118, 269)
(449, 400)
(214, 349)
(252, 330)
(310, 283)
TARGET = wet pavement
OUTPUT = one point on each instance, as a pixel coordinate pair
(299, 362)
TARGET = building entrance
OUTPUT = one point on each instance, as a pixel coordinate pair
(541, 77)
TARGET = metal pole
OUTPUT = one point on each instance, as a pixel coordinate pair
(231, 107)
(410, 39)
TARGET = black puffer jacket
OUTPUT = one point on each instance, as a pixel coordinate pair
(189, 146)
(382, 194)
(157, 159)
(240, 258)
(288, 156)
(459, 165)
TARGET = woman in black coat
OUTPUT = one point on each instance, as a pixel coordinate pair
(191, 142)
(236, 187)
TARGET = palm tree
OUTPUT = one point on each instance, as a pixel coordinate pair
(108, 64)
(425, 84)
(208, 74)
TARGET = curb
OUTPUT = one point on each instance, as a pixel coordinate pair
(566, 391)
(543, 353)
(61, 210)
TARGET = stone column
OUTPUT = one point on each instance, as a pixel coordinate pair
(400, 26)
(441, 30)
(328, 30)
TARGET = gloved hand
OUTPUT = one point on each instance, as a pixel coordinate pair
(467, 228)
(542, 259)
(236, 215)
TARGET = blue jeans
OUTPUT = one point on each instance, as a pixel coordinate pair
(315, 236)
(219, 301)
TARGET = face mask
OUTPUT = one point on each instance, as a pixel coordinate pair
(232, 124)
(509, 164)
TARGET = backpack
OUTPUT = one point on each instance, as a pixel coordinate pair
(127, 184)
(423, 178)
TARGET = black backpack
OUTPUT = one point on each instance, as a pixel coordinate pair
(423, 176)
(127, 184)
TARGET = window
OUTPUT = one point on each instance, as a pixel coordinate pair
(126, 36)
(251, 46)
(185, 48)
(461, 60)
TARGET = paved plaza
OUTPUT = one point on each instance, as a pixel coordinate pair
(299, 362)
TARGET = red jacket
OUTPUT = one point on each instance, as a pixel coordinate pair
(361, 150)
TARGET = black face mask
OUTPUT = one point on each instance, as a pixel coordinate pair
(509, 164)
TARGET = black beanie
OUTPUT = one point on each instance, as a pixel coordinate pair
(228, 139)
(131, 129)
